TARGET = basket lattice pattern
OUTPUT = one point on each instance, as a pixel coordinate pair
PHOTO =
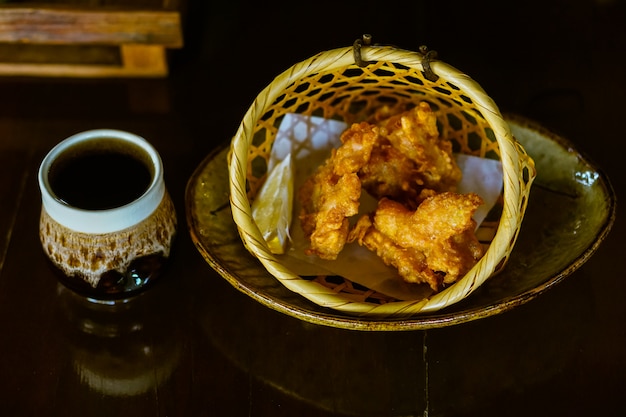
(333, 86)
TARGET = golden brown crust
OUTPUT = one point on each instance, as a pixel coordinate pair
(421, 226)
(332, 194)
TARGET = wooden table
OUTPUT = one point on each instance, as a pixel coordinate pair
(195, 346)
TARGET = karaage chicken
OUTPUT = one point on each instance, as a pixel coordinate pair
(434, 244)
(421, 226)
(410, 158)
(331, 195)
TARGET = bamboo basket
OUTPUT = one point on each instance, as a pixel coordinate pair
(348, 84)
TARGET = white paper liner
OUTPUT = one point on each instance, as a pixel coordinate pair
(309, 140)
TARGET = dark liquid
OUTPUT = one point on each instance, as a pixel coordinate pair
(100, 175)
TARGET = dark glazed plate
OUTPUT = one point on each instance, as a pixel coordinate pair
(571, 210)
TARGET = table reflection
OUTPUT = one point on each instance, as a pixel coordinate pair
(120, 350)
(404, 373)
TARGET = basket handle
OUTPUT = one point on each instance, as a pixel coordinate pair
(366, 40)
(428, 56)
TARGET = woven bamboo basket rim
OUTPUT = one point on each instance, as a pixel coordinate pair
(515, 163)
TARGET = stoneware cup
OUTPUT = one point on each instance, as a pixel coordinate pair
(107, 221)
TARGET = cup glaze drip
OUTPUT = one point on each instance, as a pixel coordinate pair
(105, 253)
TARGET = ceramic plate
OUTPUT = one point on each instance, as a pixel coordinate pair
(570, 211)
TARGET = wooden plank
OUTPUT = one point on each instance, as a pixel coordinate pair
(77, 71)
(141, 58)
(46, 25)
(60, 54)
(136, 61)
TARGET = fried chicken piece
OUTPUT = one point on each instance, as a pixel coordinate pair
(356, 147)
(410, 158)
(442, 228)
(390, 173)
(401, 158)
(331, 195)
(411, 264)
(434, 244)
(414, 134)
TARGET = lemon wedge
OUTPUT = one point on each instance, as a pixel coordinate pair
(271, 210)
